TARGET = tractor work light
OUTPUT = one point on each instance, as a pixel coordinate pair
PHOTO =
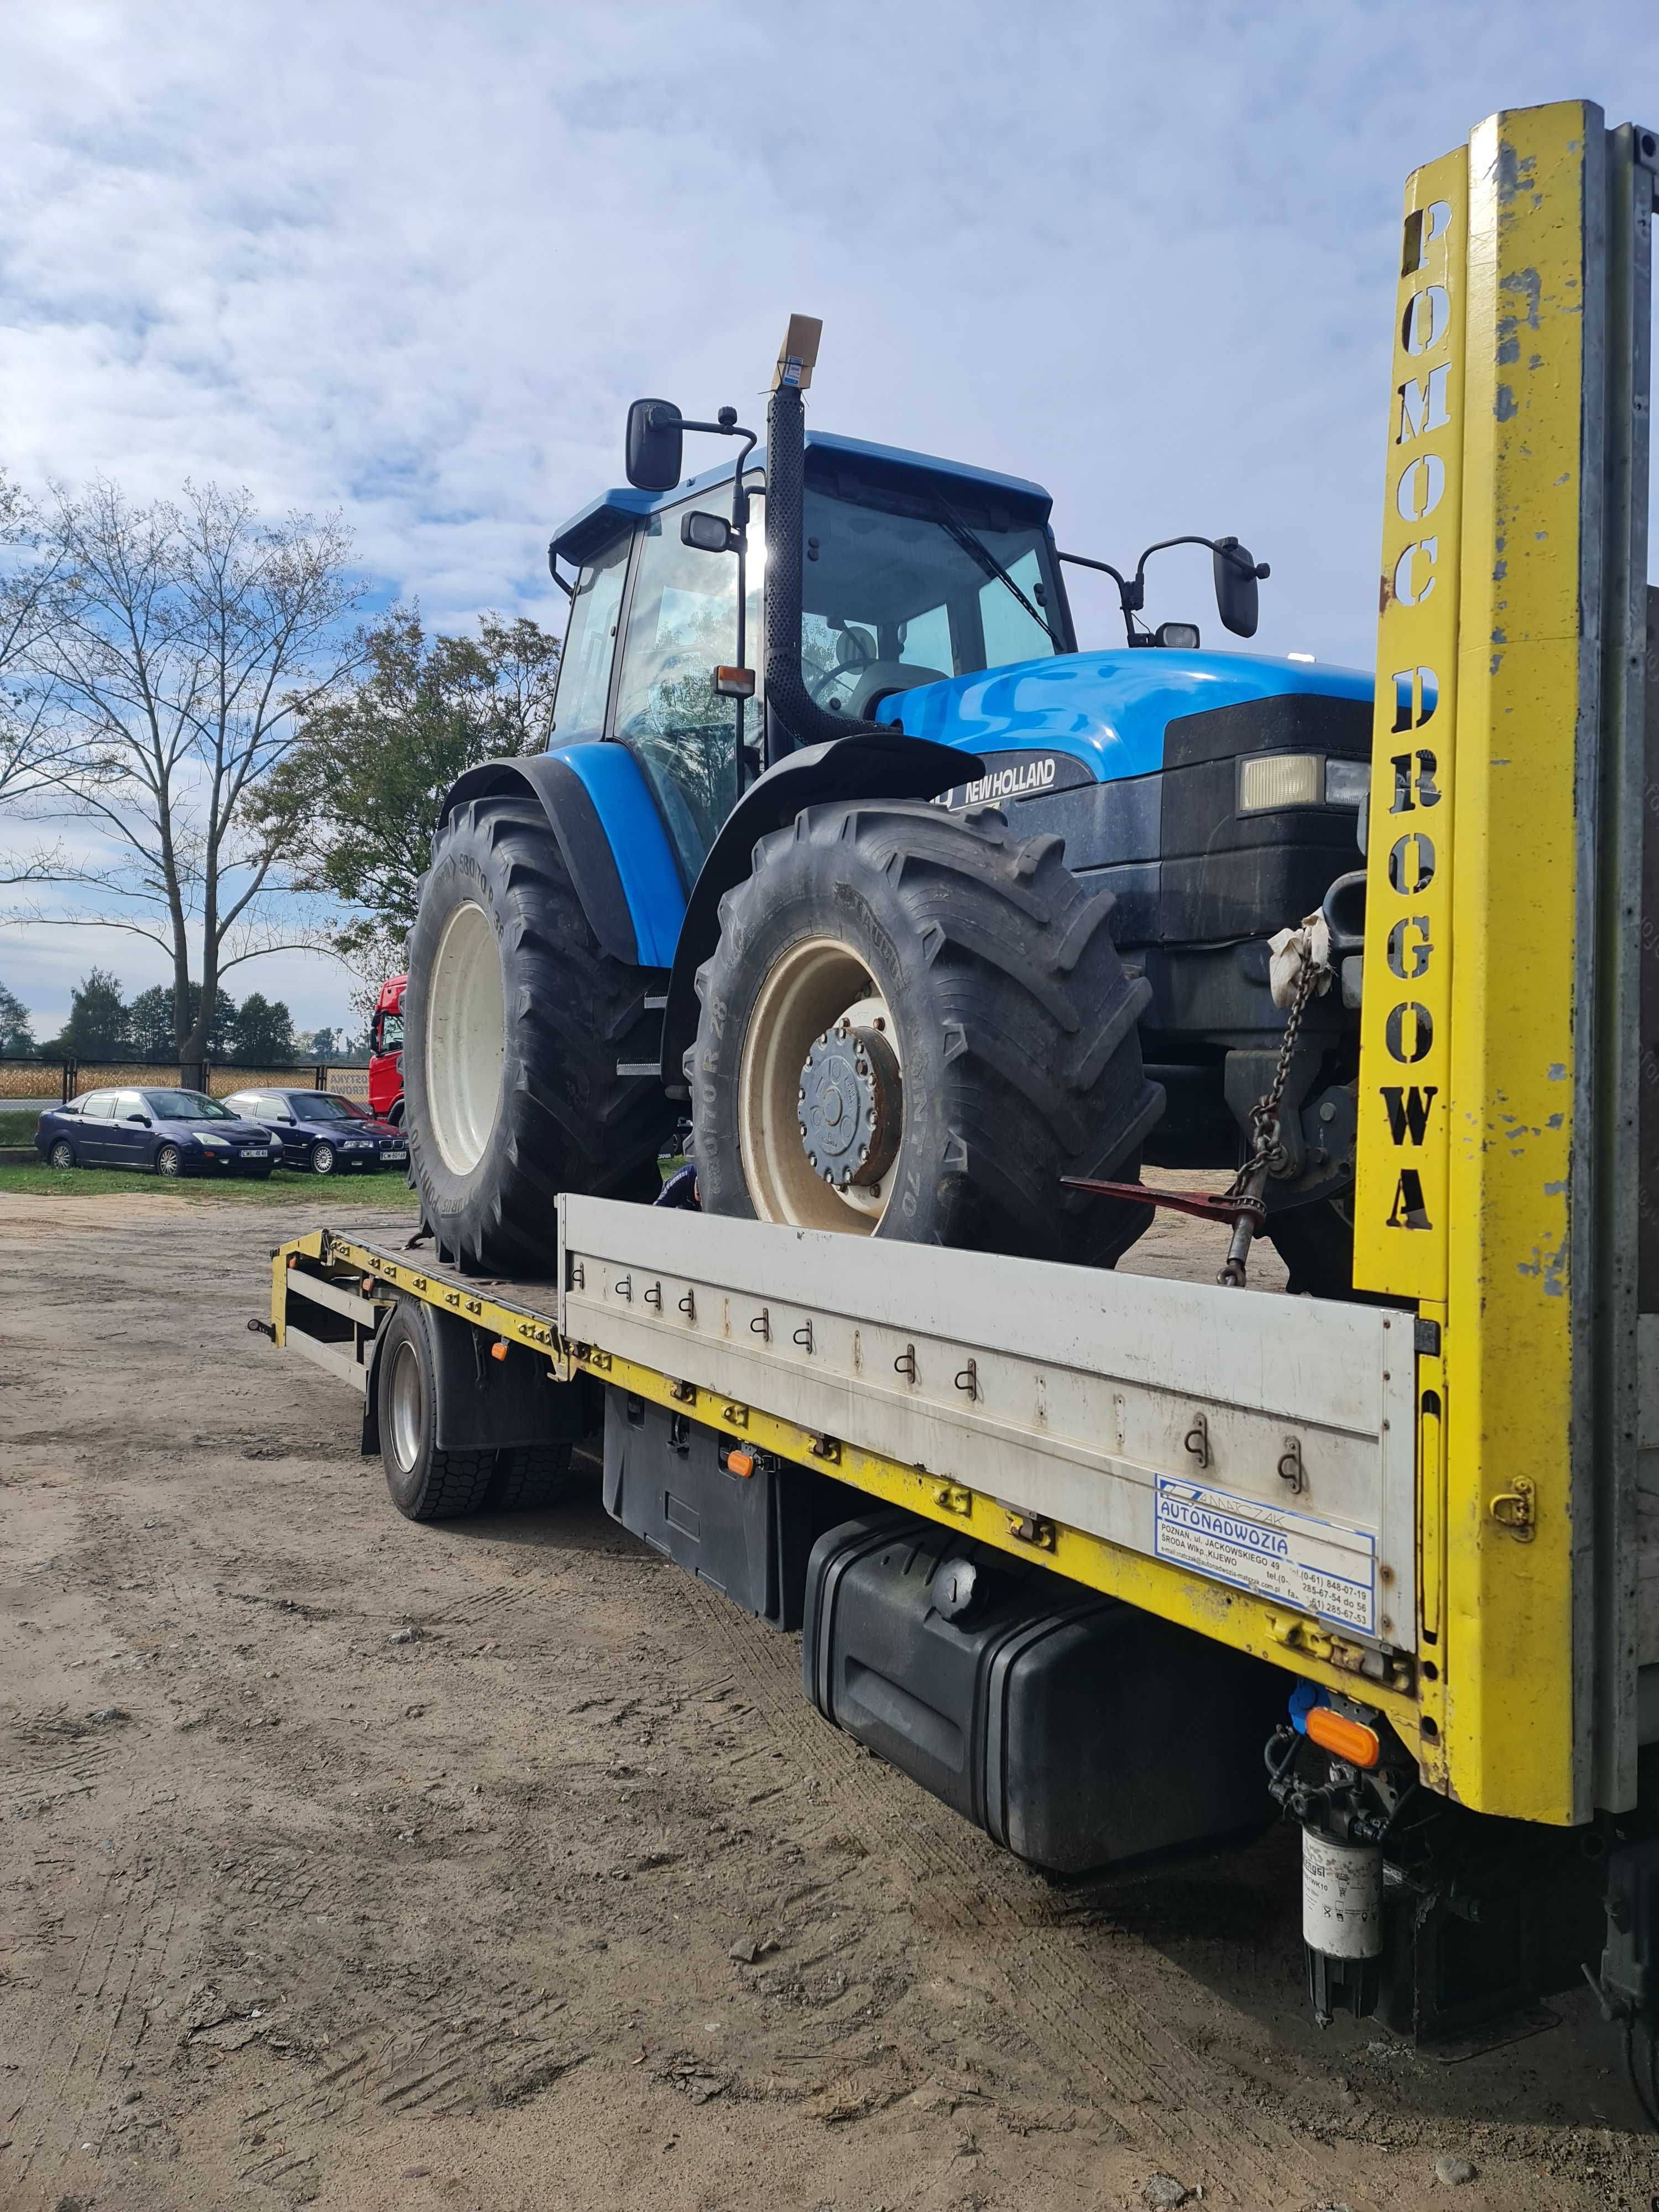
(1343, 1738)
(1267, 780)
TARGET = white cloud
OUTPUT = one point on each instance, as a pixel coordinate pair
(413, 260)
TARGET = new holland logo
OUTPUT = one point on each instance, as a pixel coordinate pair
(1019, 782)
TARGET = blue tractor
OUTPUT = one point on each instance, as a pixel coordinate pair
(923, 914)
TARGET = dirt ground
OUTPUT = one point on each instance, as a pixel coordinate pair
(501, 1865)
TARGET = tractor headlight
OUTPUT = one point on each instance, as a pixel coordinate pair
(1347, 783)
(1267, 780)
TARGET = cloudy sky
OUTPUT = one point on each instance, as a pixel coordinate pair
(412, 260)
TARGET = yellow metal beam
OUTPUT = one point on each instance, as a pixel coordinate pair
(1515, 1729)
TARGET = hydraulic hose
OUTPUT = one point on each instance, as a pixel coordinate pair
(793, 717)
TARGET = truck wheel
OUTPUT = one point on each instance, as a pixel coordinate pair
(913, 1025)
(426, 1484)
(529, 1476)
(515, 1021)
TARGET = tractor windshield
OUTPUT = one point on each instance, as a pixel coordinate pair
(905, 587)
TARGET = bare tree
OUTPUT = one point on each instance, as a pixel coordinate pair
(27, 574)
(183, 643)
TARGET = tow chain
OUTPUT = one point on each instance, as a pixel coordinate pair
(1309, 947)
(1300, 970)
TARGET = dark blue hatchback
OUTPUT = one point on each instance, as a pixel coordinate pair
(165, 1132)
(321, 1132)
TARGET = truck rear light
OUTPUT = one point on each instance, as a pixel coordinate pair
(1344, 1739)
(1267, 780)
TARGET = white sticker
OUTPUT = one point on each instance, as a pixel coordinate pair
(1318, 1566)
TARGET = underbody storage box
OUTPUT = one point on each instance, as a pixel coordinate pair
(1077, 1730)
(749, 1536)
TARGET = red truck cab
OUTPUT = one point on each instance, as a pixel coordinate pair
(386, 1051)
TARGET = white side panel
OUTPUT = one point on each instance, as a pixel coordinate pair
(1161, 1415)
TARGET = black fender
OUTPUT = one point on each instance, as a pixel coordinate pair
(583, 842)
(867, 764)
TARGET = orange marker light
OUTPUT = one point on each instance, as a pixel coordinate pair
(1344, 1739)
(740, 1462)
(498, 1352)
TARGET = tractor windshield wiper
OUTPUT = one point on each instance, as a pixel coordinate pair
(978, 552)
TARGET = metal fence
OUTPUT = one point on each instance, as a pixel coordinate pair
(40, 1081)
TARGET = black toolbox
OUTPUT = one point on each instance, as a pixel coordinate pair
(666, 1478)
(1077, 1730)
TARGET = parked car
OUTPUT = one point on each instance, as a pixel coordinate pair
(317, 1130)
(168, 1133)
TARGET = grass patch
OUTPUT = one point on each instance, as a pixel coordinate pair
(387, 1191)
(19, 1123)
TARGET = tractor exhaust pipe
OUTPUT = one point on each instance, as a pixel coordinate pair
(793, 718)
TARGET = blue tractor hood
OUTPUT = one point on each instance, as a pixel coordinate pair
(1109, 710)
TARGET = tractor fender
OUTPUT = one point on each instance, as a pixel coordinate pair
(867, 764)
(609, 836)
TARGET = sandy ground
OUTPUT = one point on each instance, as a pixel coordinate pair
(501, 1865)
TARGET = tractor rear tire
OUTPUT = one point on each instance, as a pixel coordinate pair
(991, 971)
(515, 1020)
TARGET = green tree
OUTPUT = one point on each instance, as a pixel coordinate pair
(326, 1043)
(97, 1026)
(17, 1032)
(264, 1035)
(354, 804)
(150, 1022)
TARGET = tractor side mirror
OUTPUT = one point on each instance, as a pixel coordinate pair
(709, 533)
(656, 445)
(1236, 596)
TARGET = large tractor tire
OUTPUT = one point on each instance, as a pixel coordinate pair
(913, 1025)
(515, 1021)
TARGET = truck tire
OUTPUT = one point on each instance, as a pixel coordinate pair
(928, 1008)
(426, 1484)
(515, 1021)
(529, 1476)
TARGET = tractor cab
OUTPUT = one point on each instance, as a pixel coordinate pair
(913, 570)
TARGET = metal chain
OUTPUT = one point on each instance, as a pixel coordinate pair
(1266, 1149)
(1249, 1185)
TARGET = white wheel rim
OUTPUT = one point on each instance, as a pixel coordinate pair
(322, 1160)
(808, 989)
(406, 1404)
(465, 1039)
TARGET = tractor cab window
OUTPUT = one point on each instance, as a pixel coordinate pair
(904, 586)
(681, 625)
(590, 637)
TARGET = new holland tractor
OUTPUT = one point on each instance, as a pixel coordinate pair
(927, 913)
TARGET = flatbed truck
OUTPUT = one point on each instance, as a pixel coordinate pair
(1120, 1564)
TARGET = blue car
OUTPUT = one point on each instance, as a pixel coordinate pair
(322, 1132)
(165, 1132)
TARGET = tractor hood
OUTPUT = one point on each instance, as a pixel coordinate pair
(1109, 711)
